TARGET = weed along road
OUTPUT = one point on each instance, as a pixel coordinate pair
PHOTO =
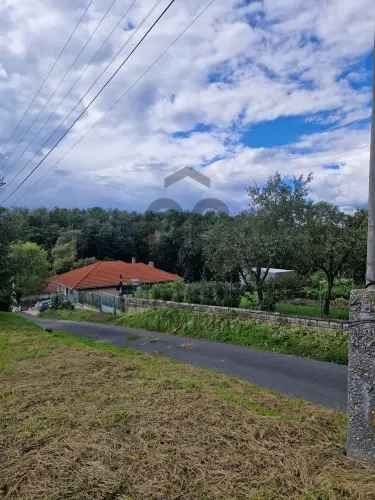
(315, 381)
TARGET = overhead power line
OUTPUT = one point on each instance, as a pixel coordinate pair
(91, 60)
(50, 71)
(130, 87)
(86, 94)
(59, 85)
(93, 100)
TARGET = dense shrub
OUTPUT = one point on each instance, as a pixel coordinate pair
(270, 297)
(178, 292)
(249, 300)
(289, 286)
(276, 289)
(203, 292)
(60, 302)
(318, 287)
(343, 288)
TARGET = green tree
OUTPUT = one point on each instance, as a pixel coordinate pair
(191, 260)
(282, 199)
(283, 204)
(330, 243)
(84, 262)
(265, 237)
(5, 273)
(30, 268)
(245, 247)
(64, 253)
(220, 251)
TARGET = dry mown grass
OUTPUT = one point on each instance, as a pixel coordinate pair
(87, 422)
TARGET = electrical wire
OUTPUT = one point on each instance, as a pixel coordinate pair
(59, 85)
(50, 71)
(92, 59)
(130, 87)
(93, 100)
(81, 100)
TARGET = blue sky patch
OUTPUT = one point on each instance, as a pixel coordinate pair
(359, 74)
(199, 128)
(279, 132)
(221, 74)
(332, 166)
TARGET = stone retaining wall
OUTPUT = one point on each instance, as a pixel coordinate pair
(134, 304)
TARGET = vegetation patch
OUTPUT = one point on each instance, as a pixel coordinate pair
(307, 342)
(86, 420)
(312, 310)
(78, 315)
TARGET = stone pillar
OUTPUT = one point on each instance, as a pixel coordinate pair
(361, 377)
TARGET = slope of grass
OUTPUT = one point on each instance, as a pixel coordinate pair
(307, 342)
(84, 420)
(312, 310)
(78, 315)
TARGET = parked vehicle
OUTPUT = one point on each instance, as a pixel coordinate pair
(43, 305)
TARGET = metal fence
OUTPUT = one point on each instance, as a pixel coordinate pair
(101, 301)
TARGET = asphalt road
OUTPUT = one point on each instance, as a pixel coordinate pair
(315, 381)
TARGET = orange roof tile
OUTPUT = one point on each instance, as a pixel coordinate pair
(103, 274)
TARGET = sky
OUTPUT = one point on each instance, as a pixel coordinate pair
(252, 88)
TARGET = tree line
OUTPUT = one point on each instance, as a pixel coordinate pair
(281, 228)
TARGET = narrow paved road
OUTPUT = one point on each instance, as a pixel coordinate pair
(323, 383)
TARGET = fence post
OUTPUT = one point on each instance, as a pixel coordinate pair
(361, 377)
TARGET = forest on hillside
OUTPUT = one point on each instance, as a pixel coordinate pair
(282, 228)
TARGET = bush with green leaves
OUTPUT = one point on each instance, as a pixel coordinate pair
(343, 288)
(61, 302)
(178, 291)
(204, 292)
(282, 288)
(249, 300)
(318, 287)
(270, 297)
(192, 293)
(288, 286)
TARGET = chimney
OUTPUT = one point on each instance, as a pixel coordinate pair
(151, 264)
(133, 260)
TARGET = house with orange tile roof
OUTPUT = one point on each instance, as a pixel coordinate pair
(106, 276)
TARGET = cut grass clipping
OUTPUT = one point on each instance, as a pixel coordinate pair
(307, 342)
(88, 421)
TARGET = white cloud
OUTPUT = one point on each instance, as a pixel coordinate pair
(242, 63)
(3, 73)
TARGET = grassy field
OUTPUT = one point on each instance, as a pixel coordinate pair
(312, 310)
(83, 420)
(324, 346)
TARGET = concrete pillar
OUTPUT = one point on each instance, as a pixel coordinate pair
(361, 377)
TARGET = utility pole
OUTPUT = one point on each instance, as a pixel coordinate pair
(370, 273)
(361, 369)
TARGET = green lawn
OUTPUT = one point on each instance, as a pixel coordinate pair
(85, 420)
(307, 342)
(311, 310)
